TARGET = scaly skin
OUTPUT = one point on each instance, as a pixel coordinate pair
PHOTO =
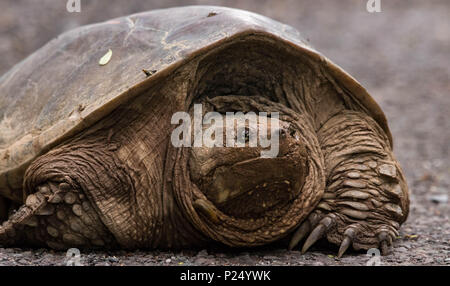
(364, 202)
(128, 187)
(275, 194)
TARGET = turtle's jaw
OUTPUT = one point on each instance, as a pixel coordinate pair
(253, 185)
(249, 188)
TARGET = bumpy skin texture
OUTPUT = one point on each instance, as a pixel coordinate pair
(366, 197)
(118, 182)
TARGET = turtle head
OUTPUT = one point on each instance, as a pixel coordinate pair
(249, 177)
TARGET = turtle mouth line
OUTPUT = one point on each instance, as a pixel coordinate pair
(257, 196)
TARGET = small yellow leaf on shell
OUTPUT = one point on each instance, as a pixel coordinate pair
(106, 58)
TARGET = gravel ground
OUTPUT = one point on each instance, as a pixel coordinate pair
(400, 55)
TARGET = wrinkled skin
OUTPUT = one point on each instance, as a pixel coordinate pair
(121, 184)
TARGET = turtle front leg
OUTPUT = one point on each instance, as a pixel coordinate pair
(56, 215)
(58, 210)
(366, 196)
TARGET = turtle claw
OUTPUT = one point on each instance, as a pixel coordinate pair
(344, 246)
(301, 232)
(384, 240)
(318, 225)
(323, 226)
(304, 229)
(315, 235)
(8, 230)
(36, 204)
(348, 240)
(384, 248)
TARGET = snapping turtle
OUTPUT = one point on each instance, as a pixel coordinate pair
(86, 158)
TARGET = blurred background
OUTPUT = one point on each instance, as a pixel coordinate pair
(401, 55)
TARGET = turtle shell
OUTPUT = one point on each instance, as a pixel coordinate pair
(62, 89)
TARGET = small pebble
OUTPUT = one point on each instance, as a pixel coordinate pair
(401, 249)
(438, 199)
(113, 259)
